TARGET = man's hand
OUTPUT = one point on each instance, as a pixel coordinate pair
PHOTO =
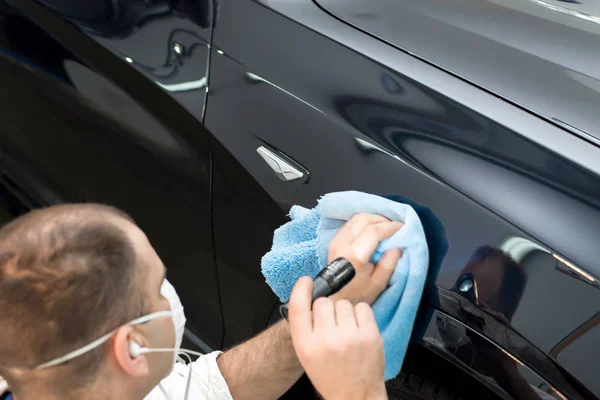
(356, 241)
(266, 366)
(338, 344)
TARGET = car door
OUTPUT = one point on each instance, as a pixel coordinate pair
(83, 123)
(517, 195)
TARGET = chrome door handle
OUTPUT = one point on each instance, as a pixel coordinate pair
(282, 168)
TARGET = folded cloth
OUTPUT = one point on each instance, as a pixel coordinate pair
(300, 248)
(437, 244)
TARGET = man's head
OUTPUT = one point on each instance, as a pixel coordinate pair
(70, 274)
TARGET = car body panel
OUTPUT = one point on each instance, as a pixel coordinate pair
(167, 44)
(540, 54)
(356, 124)
(434, 337)
(518, 196)
(85, 126)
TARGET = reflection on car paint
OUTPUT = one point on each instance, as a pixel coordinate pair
(500, 277)
(409, 142)
(501, 370)
(167, 44)
(321, 102)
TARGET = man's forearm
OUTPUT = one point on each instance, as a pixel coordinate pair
(264, 367)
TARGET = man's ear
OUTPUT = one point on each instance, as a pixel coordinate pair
(135, 366)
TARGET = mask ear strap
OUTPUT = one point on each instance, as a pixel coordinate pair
(99, 341)
(76, 353)
(164, 392)
(150, 317)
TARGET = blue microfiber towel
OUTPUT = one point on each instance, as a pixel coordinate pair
(300, 248)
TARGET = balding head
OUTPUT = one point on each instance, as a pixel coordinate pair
(68, 274)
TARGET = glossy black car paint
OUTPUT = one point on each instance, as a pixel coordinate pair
(355, 112)
(485, 182)
(540, 54)
(97, 130)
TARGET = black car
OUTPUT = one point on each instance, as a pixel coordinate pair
(207, 120)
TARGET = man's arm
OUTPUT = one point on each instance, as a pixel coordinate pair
(266, 366)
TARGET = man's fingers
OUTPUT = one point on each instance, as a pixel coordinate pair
(344, 315)
(365, 319)
(367, 326)
(368, 240)
(384, 269)
(354, 226)
(323, 314)
(299, 309)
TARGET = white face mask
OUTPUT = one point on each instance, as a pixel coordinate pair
(168, 291)
(176, 313)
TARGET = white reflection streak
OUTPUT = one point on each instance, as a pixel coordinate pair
(568, 11)
(519, 248)
(183, 86)
(256, 78)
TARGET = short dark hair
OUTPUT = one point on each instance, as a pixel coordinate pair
(67, 277)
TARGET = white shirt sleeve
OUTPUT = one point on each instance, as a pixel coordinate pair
(3, 386)
(207, 382)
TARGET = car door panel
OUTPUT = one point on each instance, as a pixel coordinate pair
(356, 124)
(165, 41)
(89, 127)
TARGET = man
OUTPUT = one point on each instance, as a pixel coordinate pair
(88, 314)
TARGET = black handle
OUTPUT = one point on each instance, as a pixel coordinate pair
(329, 281)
